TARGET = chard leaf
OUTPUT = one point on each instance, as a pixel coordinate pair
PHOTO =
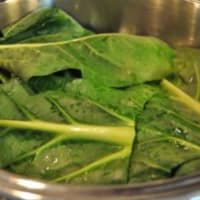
(139, 60)
(108, 125)
(65, 156)
(59, 152)
(188, 71)
(167, 136)
(127, 102)
(55, 106)
(188, 167)
(43, 25)
(8, 109)
(31, 106)
(83, 110)
(2, 78)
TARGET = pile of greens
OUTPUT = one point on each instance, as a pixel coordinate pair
(85, 108)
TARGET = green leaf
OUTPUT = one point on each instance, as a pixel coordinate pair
(57, 106)
(188, 167)
(32, 106)
(110, 124)
(188, 71)
(83, 110)
(65, 157)
(167, 136)
(43, 25)
(57, 151)
(167, 125)
(128, 102)
(139, 60)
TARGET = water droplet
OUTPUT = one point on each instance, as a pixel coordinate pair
(55, 161)
(47, 157)
(37, 52)
(186, 148)
(47, 168)
(178, 130)
(191, 79)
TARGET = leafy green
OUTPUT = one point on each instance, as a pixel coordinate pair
(56, 106)
(44, 25)
(188, 167)
(2, 78)
(167, 125)
(166, 138)
(140, 59)
(65, 155)
(128, 102)
(40, 142)
(95, 109)
(188, 71)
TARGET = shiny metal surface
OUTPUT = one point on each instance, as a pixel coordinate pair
(186, 188)
(176, 21)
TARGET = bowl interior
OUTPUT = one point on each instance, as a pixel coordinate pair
(175, 21)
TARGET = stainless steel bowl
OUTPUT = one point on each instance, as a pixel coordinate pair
(175, 21)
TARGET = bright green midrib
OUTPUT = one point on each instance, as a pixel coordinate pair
(121, 135)
(120, 154)
(183, 97)
(36, 45)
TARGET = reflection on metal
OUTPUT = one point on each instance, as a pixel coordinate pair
(26, 195)
(195, 198)
(176, 21)
(31, 184)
